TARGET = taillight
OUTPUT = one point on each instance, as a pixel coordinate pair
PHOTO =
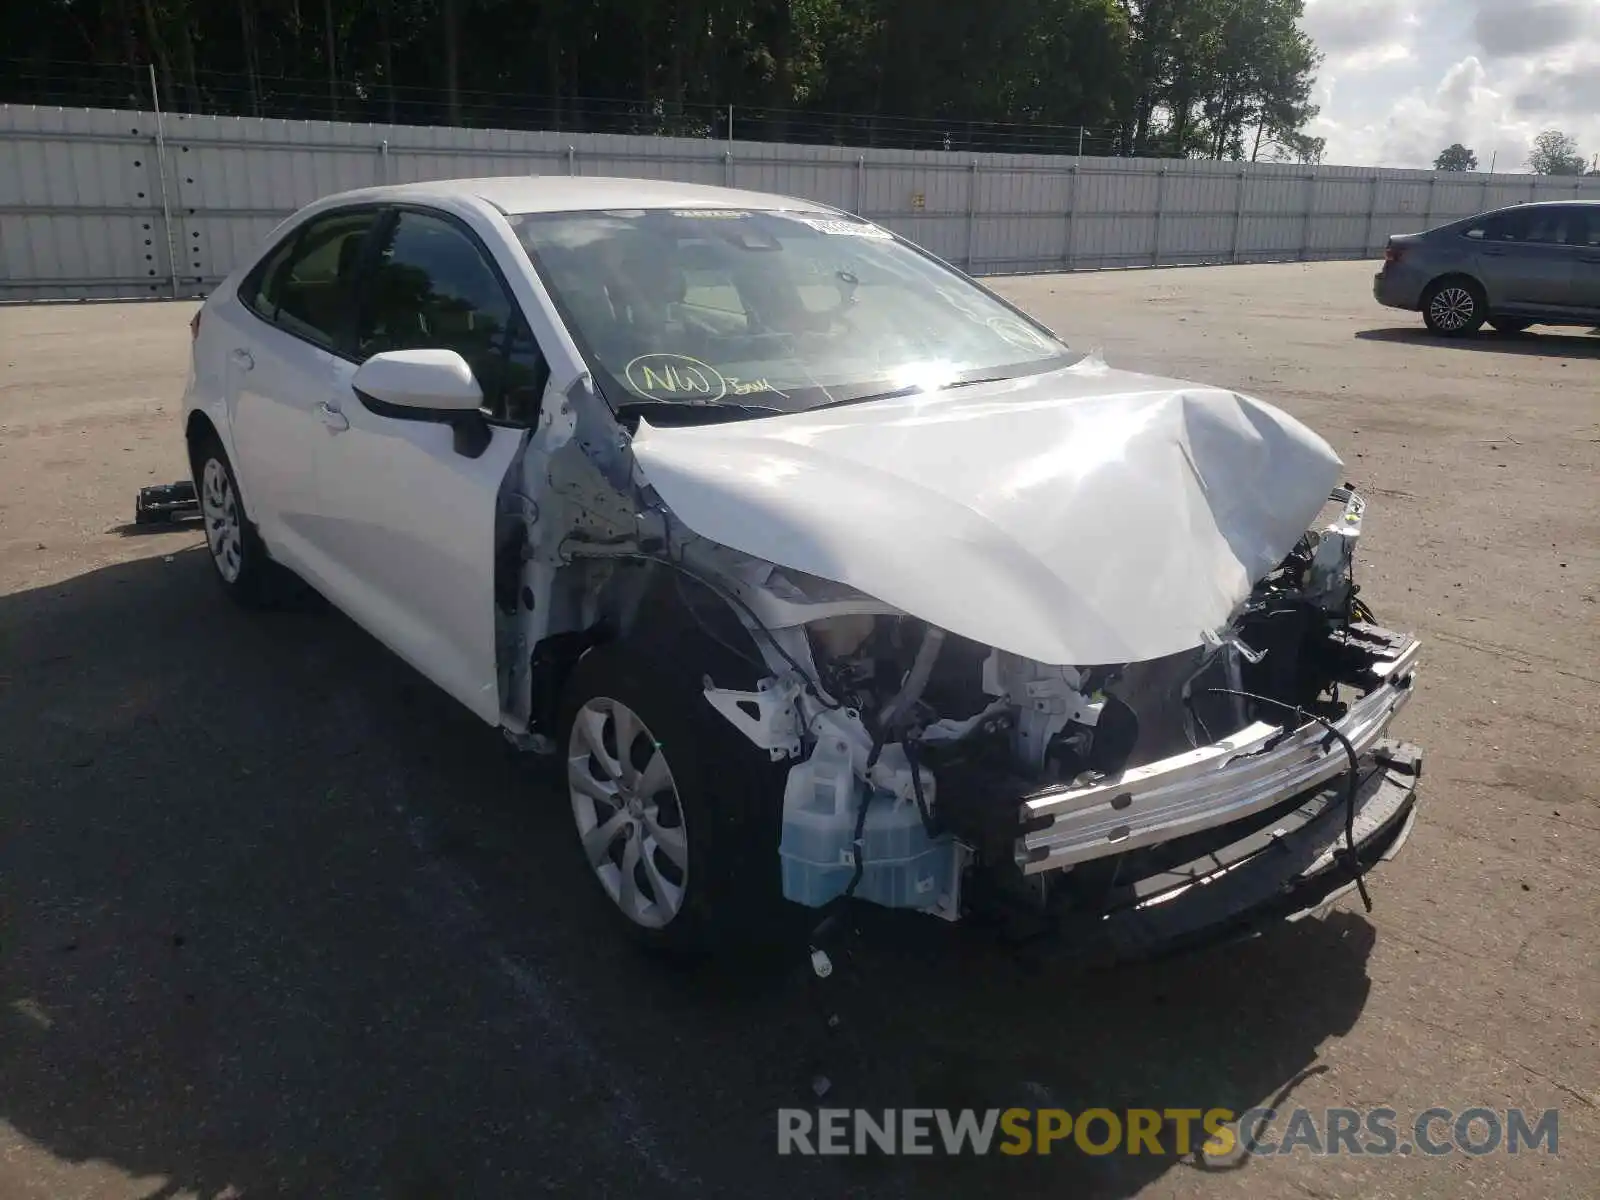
(194, 324)
(1391, 254)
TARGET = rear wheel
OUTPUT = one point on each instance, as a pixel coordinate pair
(237, 553)
(1454, 307)
(1508, 324)
(677, 813)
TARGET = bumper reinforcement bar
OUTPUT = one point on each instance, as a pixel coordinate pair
(1253, 769)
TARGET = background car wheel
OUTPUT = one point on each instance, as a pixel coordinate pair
(1453, 307)
(677, 814)
(1508, 324)
(237, 553)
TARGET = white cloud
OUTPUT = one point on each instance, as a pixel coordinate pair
(1490, 74)
(1340, 27)
(1370, 58)
(1509, 28)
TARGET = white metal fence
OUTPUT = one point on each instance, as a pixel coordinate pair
(106, 203)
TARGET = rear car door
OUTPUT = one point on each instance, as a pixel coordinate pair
(407, 520)
(1586, 264)
(292, 309)
(1524, 259)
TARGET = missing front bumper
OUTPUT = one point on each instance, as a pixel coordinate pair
(1253, 770)
(1224, 885)
(1293, 868)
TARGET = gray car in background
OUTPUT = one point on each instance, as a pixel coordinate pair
(1533, 264)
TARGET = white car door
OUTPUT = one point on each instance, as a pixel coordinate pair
(276, 333)
(407, 521)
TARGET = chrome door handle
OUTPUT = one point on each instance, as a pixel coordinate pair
(243, 359)
(332, 417)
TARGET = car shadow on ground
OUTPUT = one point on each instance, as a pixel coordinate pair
(1537, 340)
(179, 524)
(280, 917)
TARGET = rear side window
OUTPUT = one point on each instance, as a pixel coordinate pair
(304, 286)
(1536, 227)
(1506, 227)
(258, 291)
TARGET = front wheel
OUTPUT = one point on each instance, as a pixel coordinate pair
(1453, 308)
(677, 813)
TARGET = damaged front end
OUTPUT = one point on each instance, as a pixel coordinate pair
(1138, 805)
(1058, 653)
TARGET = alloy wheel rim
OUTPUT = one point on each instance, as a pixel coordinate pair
(220, 508)
(629, 815)
(1452, 308)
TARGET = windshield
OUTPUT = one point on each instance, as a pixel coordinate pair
(755, 311)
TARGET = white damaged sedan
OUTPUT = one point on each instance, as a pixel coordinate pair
(828, 574)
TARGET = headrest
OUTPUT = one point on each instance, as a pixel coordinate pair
(349, 249)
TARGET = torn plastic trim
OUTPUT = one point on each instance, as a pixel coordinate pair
(1254, 768)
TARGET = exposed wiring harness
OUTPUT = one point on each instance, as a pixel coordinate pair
(705, 627)
(1347, 856)
(929, 825)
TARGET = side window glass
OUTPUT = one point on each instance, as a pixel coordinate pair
(1588, 227)
(1548, 227)
(513, 380)
(430, 287)
(1508, 227)
(312, 291)
(259, 292)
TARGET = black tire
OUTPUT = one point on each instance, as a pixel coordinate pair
(724, 794)
(1454, 307)
(1508, 324)
(238, 556)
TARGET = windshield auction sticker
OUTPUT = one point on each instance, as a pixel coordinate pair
(846, 228)
(675, 377)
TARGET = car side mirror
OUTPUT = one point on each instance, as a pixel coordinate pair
(426, 385)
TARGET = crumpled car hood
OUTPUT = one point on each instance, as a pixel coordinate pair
(1086, 516)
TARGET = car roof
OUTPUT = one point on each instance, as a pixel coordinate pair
(1584, 201)
(517, 194)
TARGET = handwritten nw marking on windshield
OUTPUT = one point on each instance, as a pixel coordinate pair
(675, 375)
(748, 387)
(679, 377)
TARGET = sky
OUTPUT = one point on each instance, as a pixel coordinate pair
(1403, 79)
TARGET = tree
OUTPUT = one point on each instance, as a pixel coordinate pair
(1456, 157)
(1204, 71)
(1555, 153)
(1186, 77)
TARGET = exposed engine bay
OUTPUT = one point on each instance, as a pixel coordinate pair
(922, 765)
(908, 741)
